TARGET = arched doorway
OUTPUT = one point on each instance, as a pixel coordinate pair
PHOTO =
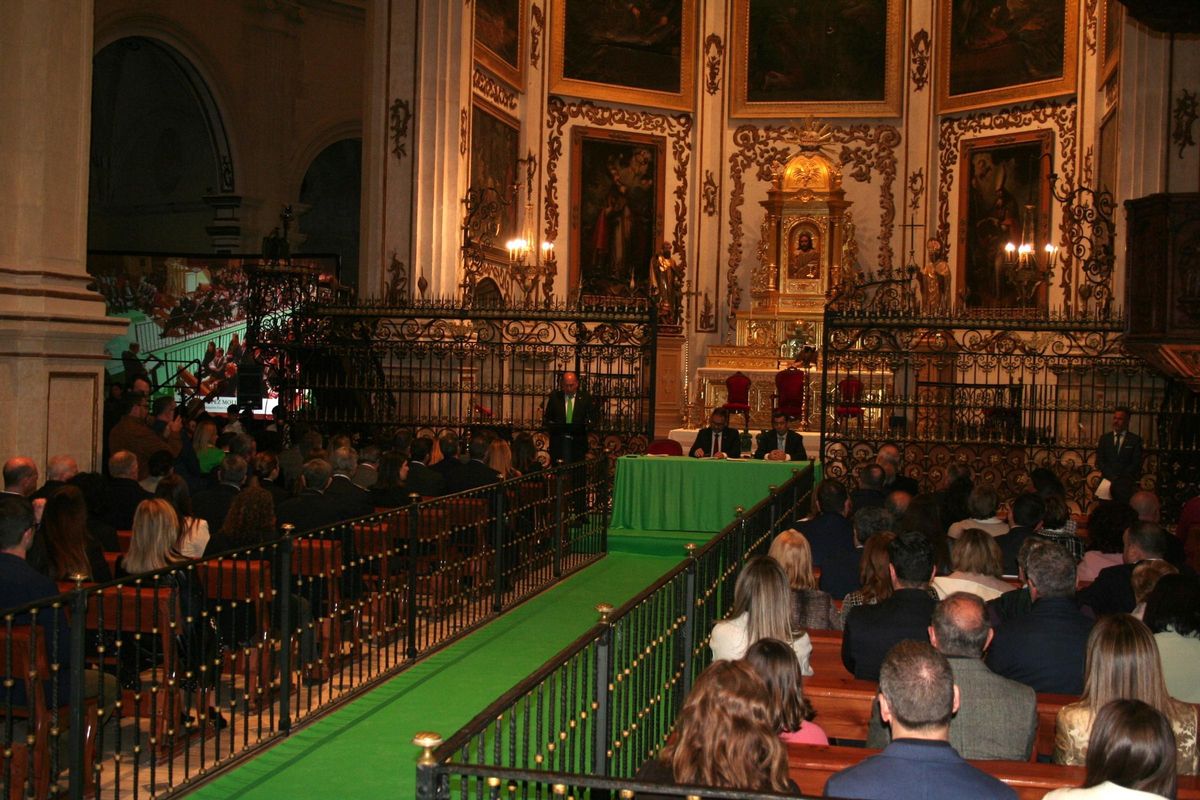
(331, 190)
(158, 148)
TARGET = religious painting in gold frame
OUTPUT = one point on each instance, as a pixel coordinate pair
(501, 28)
(816, 58)
(1026, 52)
(639, 53)
(617, 206)
(999, 177)
(495, 148)
(804, 262)
(1112, 19)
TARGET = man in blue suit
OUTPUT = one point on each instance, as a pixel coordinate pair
(829, 532)
(918, 697)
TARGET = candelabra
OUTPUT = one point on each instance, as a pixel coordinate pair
(1022, 267)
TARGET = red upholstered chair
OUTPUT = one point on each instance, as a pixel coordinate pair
(664, 447)
(849, 394)
(737, 389)
(790, 394)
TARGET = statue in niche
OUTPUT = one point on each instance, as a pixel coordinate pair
(804, 258)
(667, 280)
(935, 279)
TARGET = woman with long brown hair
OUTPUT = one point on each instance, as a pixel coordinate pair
(811, 607)
(873, 574)
(72, 552)
(724, 737)
(193, 531)
(775, 664)
(762, 609)
(1123, 664)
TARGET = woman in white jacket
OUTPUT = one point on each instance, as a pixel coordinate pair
(762, 609)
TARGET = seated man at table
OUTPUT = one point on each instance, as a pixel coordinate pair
(717, 440)
(780, 443)
(917, 696)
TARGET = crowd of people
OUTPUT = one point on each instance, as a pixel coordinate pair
(962, 605)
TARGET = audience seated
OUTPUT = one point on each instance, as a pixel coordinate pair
(982, 504)
(124, 491)
(351, 500)
(211, 505)
(95, 495)
(133, 433)
(1123, 664)
(193, 531)
(869, 493)
(775, 663)
(422, 479)
(390, 490)
(997, 718)
(1173, 614)
(1106, 539)
(204, 444)
(1131, 755)
(310, 508)
(871, 630)
(525, 454)
(977, 567)
(952, 496)
(1045, 647)
(897, 503)
(59, 470)
(500, 459)
(830, 531)
(840, 569)
(162, 464)
(1145, 577)
(924, 516)
(450, 446)
(265, 469)
(1112, 591)
(762, 609)
(811, 607)
(249, 523)
(474, 473)
(367, 471)
(918, 698)
(894, 479)
(1059, 528)
(72, 552)
(1026, 515)
(724, 737)
(1015, 602)
(875, 577)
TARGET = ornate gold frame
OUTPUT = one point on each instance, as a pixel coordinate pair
(494, 63)
(893, 97)
(683, 100)
(1109, 61)
(1017, 93)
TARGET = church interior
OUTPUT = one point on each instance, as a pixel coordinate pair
(966, 230)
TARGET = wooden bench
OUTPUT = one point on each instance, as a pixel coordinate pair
(810, 766)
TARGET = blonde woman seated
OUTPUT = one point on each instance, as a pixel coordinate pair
(500, 458)
(811, 607)
(762, 609)
(1123, 664)
(1131, 756)
(978, 565)
(982, 504)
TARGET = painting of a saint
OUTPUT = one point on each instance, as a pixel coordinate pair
(1002, 176)
(618, 206)
(804, 257)
(1006, 50)
(635, 51)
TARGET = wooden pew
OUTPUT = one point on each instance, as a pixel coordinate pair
(826, 659)
(810, 766)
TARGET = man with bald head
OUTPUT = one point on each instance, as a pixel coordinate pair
(20, 476)
(59, 470)
(997, 717)
(568, 415)
(124, 491)
(894, 480)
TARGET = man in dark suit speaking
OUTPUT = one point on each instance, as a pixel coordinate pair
(567, 416)
(717, 440)
(780, 443)
(1119, 457)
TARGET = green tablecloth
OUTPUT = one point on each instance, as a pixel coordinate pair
(676, 493)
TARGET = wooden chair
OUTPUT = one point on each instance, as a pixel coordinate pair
(239, 593)
(24, 648)
(737, 396)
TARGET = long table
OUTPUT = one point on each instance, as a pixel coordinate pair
(677, 493)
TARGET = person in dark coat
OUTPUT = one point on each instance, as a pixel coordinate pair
(448, 443)
(568, 416)
(421, 478)
(353, 500)
(474, 473)
(717, 440)
(1112, 591)
(830, 531)
(1119, 457)
(310, 508)
(212, 504)
(124, 491)
(1027, 512)
(840, 572)
(869, 493)
(1045, 648)
(871, 630)
(780, 443)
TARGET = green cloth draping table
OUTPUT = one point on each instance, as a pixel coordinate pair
(677, 493)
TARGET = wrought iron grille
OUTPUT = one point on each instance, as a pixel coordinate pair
(440, 365)
(587, 719)
(1002, 395)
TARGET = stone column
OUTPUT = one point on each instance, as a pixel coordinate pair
(52, 328)
(414, 145)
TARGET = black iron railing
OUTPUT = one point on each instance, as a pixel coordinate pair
(106, 689)
(589, 717)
